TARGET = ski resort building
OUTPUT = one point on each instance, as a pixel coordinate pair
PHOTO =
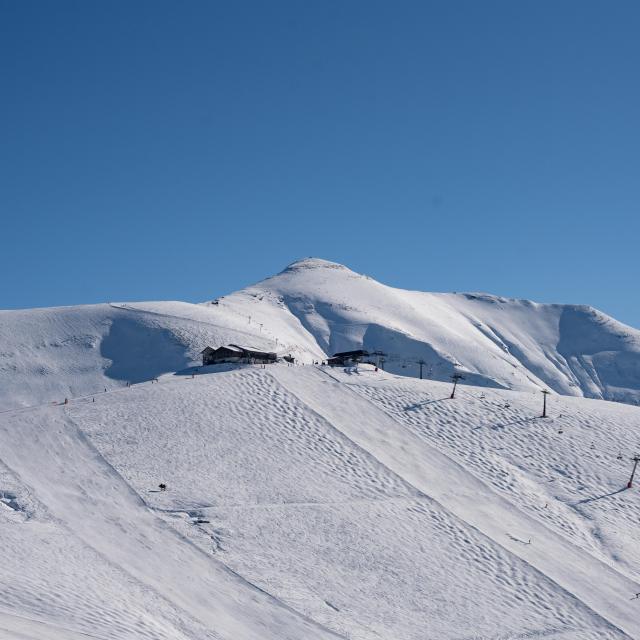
(345, 358)
(236, 353)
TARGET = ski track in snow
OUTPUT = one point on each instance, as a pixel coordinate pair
(300, 505)
(44, 577)
(292, 505)
(565, 469)
(143, 581)
(470, 498)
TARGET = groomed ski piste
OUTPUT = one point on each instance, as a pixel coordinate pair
(308, 502)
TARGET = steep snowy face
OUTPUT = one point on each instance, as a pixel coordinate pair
(494, 341)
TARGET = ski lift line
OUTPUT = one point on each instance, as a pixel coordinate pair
(98, 394)
(123, 307)
(183, 318)
(396, 357)
(51, 403)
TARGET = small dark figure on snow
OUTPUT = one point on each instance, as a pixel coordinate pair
(163, 486)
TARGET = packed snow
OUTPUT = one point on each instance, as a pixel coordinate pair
(304, 501)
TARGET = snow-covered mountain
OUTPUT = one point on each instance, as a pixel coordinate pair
(309, 503)
(575, 350)
(312, 309)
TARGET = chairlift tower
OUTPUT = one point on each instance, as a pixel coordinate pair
(545, 393)
(635, 459)
(421, 362)
(455, 377)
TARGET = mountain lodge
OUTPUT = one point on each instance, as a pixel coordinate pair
(347, 358)
(237, 354)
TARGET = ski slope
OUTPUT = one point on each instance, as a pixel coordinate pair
(304, 502)
(498, 342)
(308, 502)
(49, 354)
(310, 310)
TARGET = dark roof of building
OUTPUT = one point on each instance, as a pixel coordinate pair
(235, 347)
(250, 349)
(238, 349)
(226, 347)
(350, 354)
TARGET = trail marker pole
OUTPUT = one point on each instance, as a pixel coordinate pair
(545, 393)
(635, 459)
(455, 377)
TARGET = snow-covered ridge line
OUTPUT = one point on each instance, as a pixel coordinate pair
(312, 309)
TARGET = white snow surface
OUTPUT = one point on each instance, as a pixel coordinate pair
(310, 502)
(311, 310)
(304, 502)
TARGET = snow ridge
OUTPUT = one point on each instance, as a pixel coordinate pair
(312, 309)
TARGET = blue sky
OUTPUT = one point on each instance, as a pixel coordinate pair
(167, 150)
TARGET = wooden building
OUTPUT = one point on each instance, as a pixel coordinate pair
(235, 353)
(347, 358)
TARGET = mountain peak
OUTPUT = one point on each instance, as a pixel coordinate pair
(313, 263)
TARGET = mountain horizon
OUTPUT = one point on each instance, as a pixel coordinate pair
(312, 309)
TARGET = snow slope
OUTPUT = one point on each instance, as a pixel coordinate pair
(312, 503)
(49, 354)
(306, 502)
(312, 309)
(575, 350)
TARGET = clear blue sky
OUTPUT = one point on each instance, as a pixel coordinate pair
(181, 150)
